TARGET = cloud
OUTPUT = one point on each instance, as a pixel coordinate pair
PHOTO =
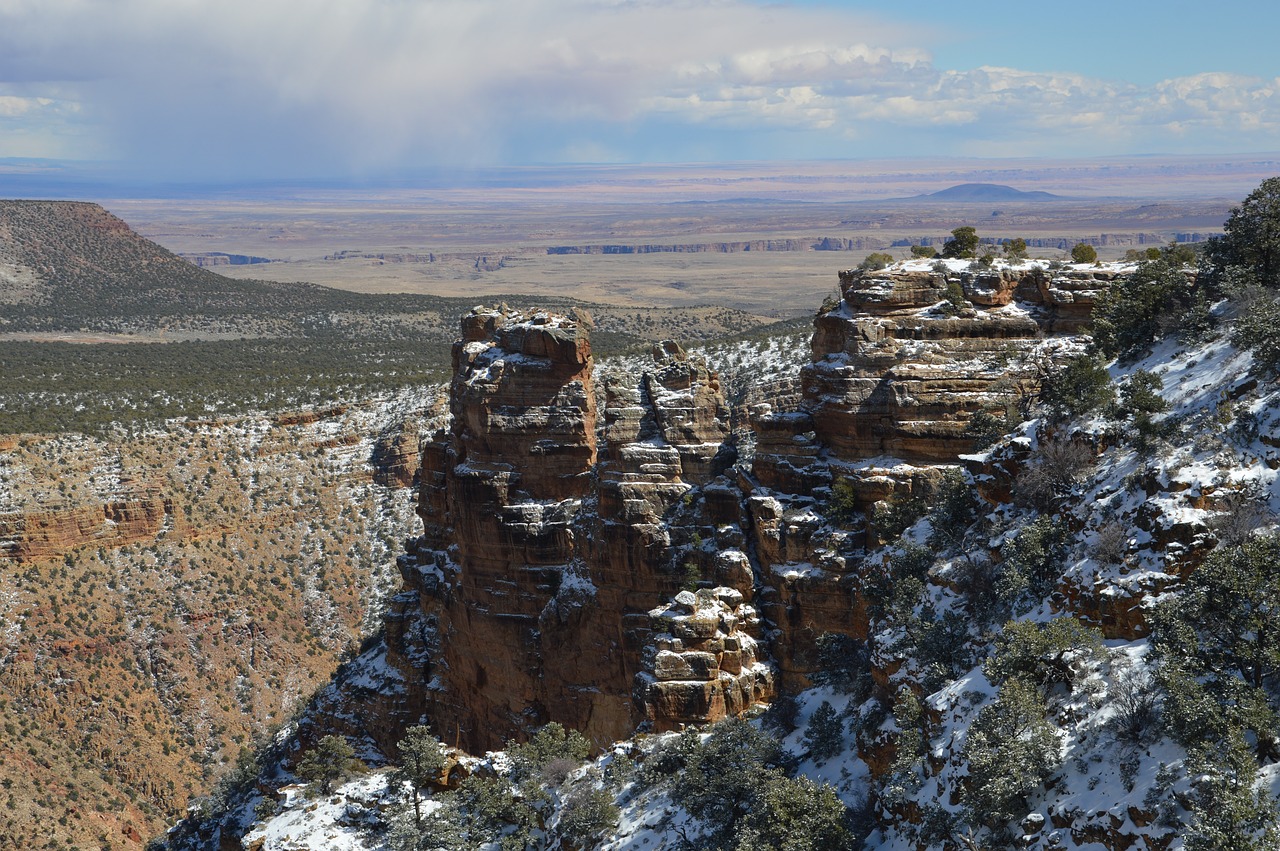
(253, 87)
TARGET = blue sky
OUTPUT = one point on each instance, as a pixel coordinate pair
(242, 89)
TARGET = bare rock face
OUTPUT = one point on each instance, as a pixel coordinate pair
(397, 453)
(900, 367)
(44, 533)
(708, 662)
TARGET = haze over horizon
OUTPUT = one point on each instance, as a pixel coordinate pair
(247, 90)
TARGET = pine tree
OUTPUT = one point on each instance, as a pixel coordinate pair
(825, 736)
(327, 763)
(422, 761)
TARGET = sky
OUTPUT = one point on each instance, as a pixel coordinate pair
(247, 89)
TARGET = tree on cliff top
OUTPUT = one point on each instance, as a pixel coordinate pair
(1251, 238)
(963, 243)
(1083, 252)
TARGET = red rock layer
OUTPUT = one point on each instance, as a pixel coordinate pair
(27, 535)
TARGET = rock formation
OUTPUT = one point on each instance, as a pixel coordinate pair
(45, 533)
(559, 510)
(899, 367)
(600, 513)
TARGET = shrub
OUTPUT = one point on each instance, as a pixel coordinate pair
(489, 810)
(1243, 512)
(1015, 249)
(723, 776)
(422, 762)
(1251, 239)
(985, 429)
(924, 252)
(1222, 621)
(1111, 543)
(890, 518)
(440, 829)
(1258, 330)
(794, 815)
(1079, 388)
(1228, 810)
(1138, 255)
(1032, 561)
(939, 644)
(1153, 302)
(668, 758)
(548, 745)
(1141, 394)
(880, 582)
(586, 816)
(1139, 403)
(1059, 464)
(1043, 654)
(875, 261)
(1136, 697)
(824, 736)
(1083, 252)
(953, 299)
(843, 663)
(955, 509)
(328, 763)
(782, 714)
(909, 747)
(843, 506)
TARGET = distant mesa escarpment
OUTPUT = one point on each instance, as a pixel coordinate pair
(825, 243)
(214, 259)
(73, 266)
(984, 192)
(594, 550)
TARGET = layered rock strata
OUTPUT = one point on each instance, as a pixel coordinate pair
(899, 367)
(548, 541)
(46, 533)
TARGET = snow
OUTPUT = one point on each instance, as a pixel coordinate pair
(338, 822)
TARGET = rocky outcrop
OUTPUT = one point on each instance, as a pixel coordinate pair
(600, 512)
(707, 663)
(906, 359)
(46, 533)
(899, 367)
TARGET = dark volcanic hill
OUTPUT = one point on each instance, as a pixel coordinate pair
(981, 192)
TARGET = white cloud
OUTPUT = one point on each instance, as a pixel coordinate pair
(253, 85)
